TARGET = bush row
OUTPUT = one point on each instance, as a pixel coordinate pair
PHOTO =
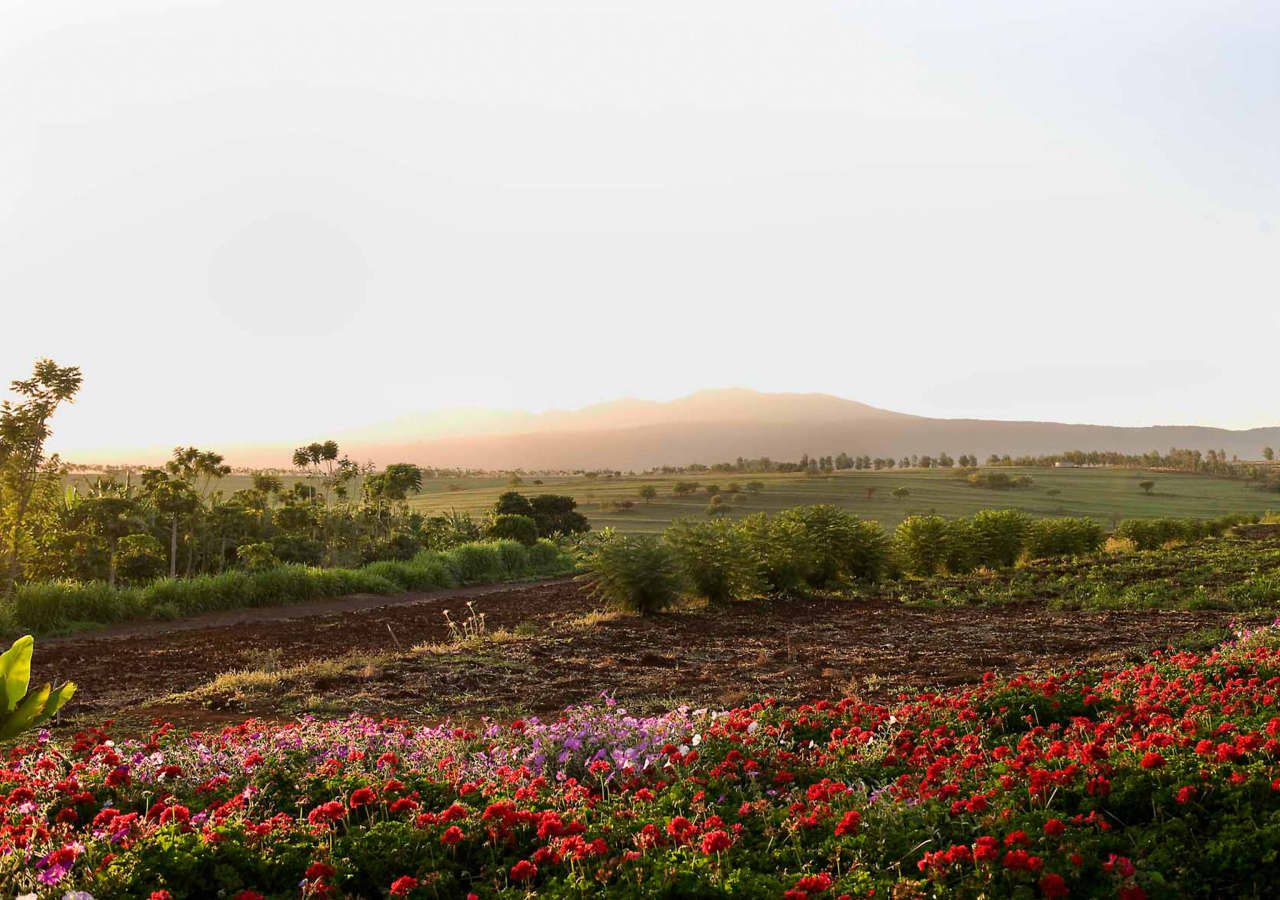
(1152, 534)
(991, 538)
(50, 605)
(816, 546)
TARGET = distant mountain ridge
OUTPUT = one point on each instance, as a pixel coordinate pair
(718, 425)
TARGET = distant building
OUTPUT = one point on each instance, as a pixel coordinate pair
(1065, 465)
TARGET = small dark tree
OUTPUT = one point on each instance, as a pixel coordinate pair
(557, 514)
(513, 504)
(1146, 485)
(513, 528)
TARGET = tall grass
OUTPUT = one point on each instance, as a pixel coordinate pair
(47, 606)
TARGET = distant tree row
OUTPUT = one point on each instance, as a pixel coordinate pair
(1212, 462)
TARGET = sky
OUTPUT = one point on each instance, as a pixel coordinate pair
(278, 221)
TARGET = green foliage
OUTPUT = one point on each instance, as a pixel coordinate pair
(449, 530)
(553, 514)
(24, 709)
(778, 548)
(257, 557)
(838, 546)
(998, 536)
(922, 544)
(636, 572)
(715, 559)
(513, 503)
(1151, 534)
(476, 563)
(139, 559)
(27, 477)
(46, 606)
(399, 545)
(513, 528)
(1064, 537)
(558, 514)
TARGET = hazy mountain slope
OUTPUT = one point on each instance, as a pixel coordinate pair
(720, 425)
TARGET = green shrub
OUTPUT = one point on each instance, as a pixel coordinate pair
(545, 558)
(961, 547)
(139, 559)
(257, 557)
(998, 537)
(922, 544)
(636, 572)
(425, 572)
(294, 549)
(714, 558)
(400, 545)
(777, 549)
(1152, 534)
(1063, 537)
(514, 558)
(837, 545)
(474, 563)
(506, 527)
(449, 530)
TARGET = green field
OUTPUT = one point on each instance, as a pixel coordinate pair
(1107, 495)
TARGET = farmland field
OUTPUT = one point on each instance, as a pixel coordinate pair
(1107, 495)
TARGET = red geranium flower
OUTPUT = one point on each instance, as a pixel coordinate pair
(850, 823)
(715, 842)
(319, 870)
(403, 886)
(524, 871)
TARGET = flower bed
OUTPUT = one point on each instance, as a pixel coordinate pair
(1161, 779)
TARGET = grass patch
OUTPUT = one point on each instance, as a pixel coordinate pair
(51, 607)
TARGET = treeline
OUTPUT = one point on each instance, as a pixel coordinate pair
(1211, 462)
(815, 547)
(174, 520)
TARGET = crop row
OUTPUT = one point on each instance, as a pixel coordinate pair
(820, 546)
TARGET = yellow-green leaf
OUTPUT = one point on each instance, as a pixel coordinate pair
(15, 671)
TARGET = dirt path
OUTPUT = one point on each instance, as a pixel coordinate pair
(792, 650)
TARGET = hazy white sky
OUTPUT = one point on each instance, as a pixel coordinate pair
(276, 220)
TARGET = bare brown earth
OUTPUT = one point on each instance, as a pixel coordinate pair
(540, 656)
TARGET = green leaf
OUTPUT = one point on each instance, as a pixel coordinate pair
(26, 714)
(57, 699)
(15, 671)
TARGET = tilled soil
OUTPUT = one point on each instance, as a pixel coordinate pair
(790, 649)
